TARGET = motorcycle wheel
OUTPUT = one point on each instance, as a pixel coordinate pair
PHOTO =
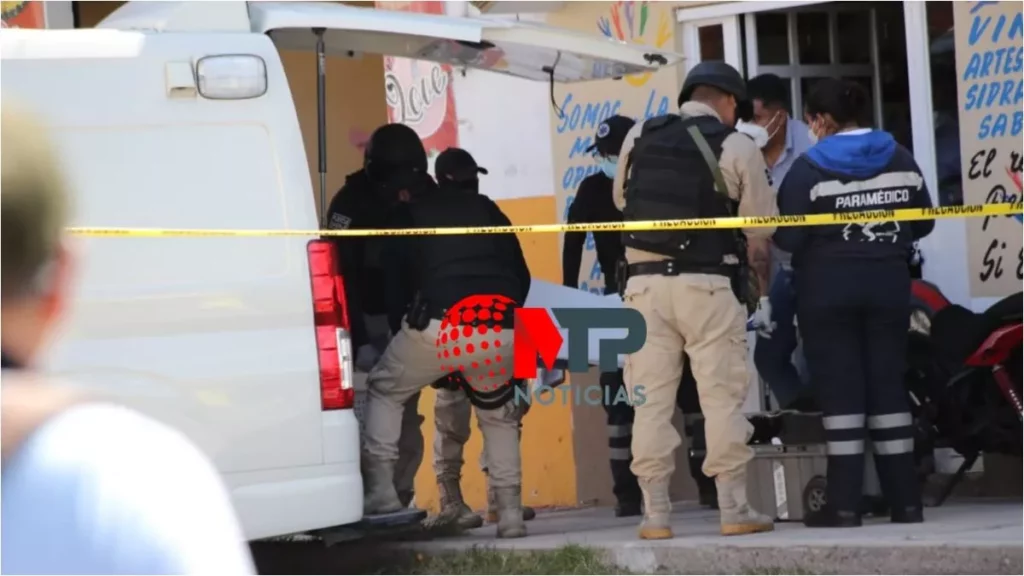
(924, 377)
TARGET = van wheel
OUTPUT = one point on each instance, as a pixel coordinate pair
(814, 495)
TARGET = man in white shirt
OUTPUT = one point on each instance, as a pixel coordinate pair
(88, 487)
(788, 139)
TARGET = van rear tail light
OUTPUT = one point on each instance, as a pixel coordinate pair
(330, 319)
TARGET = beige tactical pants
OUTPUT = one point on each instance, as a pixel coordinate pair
(698, 314)
(410, 443)
(410, 446)
(452, 411)
(410, 364)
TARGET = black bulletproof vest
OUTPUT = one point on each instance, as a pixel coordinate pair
(445, 262)
(669, 179)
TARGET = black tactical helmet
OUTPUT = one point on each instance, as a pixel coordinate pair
(717, 75)
(394, 151)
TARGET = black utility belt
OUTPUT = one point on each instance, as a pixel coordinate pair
(675, 268)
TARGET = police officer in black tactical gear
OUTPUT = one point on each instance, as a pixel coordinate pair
(854, 285)
(593, 203)
(364, 202)
(456, 170)
(685, 283)
(429, 279)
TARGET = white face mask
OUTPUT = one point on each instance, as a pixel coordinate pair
(812, 136)
(757, 133)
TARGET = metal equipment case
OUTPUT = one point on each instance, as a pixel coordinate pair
(787, 481)
(787, 476)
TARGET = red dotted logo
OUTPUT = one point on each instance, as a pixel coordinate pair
(471, 344)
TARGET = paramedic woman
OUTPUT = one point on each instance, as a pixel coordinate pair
(854, 282)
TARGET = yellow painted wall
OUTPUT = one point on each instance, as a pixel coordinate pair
(549, 468)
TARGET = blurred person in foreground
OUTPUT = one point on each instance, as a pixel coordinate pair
(89, 487)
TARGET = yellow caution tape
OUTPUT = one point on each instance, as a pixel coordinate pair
(902, 215)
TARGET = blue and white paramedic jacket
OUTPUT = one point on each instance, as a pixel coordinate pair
(853, 171)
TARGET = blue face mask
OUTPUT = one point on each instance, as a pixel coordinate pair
(609, 165)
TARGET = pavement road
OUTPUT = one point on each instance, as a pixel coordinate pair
(963, 537)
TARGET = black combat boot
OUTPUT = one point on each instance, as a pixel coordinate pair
(625, 509)
(626, 489)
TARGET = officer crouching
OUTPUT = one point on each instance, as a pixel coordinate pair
(686, 283)
(457, 171)
(426, 277)
(854, 286)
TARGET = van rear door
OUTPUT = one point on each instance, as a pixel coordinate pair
(522, 49)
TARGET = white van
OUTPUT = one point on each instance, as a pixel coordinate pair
(179, 115)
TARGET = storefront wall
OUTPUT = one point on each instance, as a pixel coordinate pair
(974, 261)
(988, 39)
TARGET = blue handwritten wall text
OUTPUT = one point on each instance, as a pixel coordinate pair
(581, 119)
(993, 75)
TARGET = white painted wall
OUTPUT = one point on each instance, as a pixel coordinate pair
(504, 123)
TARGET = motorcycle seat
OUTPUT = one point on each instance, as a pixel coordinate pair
(958, 332)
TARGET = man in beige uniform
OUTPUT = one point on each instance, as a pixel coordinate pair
(682, 282)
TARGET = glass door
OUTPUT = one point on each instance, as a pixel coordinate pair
(806, 44)
(712, 39)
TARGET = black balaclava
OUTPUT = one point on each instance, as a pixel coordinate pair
(395, 160)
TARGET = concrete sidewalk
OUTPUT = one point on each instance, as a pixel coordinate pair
(977, 537)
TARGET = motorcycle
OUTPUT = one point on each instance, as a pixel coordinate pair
(964, 379)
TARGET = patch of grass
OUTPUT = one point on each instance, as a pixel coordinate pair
(570, 559)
